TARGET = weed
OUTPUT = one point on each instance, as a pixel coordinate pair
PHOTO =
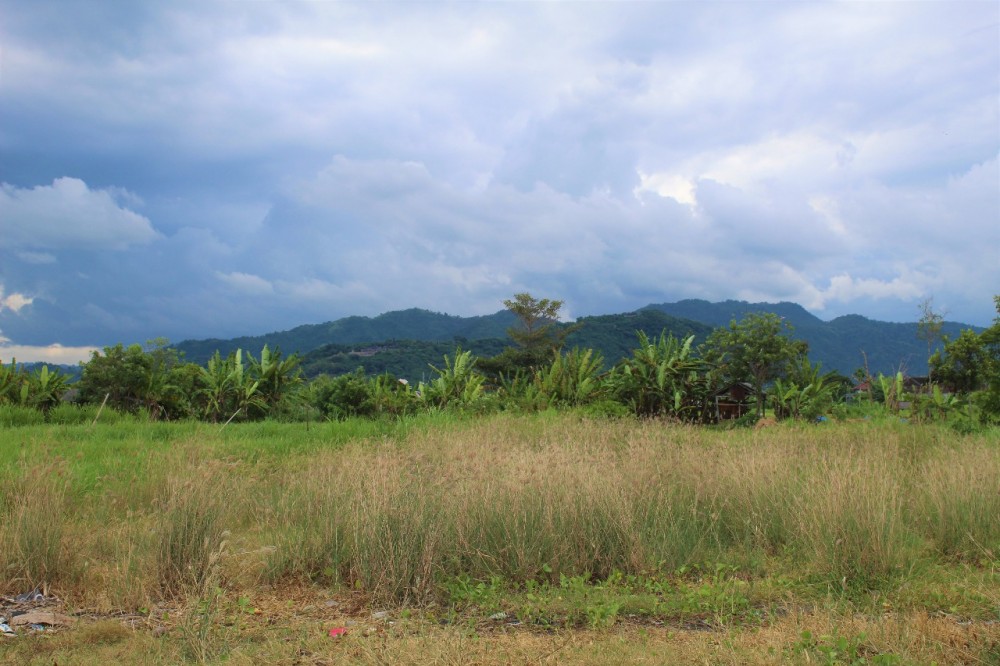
(191, 536)
(32, 529)
(835, 649)
(463, 591)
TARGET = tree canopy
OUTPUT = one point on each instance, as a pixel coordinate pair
(757, 349)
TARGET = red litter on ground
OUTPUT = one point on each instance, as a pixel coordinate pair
(337, 632)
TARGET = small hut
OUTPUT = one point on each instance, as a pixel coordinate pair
(733, 401)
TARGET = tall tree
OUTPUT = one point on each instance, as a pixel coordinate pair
(538, 318)
(963, 364)
(929, 328)
(537, 336)
(757, 349)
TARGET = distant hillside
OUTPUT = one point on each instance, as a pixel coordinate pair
(404, 342)
(407, 359)
(412, 324)
(838, 343)
(71, 371)
(613, 335)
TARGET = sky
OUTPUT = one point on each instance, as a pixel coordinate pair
(216, 169)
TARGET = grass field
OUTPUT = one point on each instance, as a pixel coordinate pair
(508, 539)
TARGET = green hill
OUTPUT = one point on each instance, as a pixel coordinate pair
(412, 324)
(613, 335)
(405, 341)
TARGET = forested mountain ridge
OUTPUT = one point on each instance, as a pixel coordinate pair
(838, 343)
(614, 336)
(411, 324)
(387, 342)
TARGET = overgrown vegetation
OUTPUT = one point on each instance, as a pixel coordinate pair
(534, 489)
(663, 377)
(548, 522)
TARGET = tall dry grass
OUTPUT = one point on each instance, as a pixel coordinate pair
(522, 498)
(32, 527)
(500, 498)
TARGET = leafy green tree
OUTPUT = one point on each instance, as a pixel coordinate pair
(538, 319)
(133, 378)
(122, 374)
(537, 335)
(963, 364)
(970, 366)
(989, 399)
(344, 396)
(757, 350)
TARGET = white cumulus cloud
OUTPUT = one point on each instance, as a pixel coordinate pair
(68, 214)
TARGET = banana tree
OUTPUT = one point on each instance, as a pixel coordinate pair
(44, 389)
(892, 389)
(805, 393)
(935, 406)
(789, 400)
(663, 378)
(571, 379)
(228, 390)
(276, 376)
(457, 382)
(10, 383)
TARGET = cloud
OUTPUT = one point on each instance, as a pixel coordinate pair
(248, 168)
(845, 289)
(29, 257)
(246, 283)
(55, 353)
(68, 214)
(13, 302)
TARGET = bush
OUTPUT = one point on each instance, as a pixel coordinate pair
(16, 415)
(606, 409)
(67, 414)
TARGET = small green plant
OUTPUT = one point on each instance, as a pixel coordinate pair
(201, 627)
(835, 650)
(463, 591)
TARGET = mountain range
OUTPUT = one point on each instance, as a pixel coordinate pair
(404, 342)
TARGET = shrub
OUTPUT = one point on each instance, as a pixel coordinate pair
(16, 415)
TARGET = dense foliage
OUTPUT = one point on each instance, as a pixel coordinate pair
(837, 343)
(664, 377)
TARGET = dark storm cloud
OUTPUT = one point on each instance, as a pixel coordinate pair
(214, 169)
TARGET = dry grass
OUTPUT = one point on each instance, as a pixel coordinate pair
(912, 638)
(212, 519)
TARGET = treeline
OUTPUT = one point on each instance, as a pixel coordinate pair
(665, 376)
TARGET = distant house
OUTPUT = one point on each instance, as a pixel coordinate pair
(916, 384)
(733, 401)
